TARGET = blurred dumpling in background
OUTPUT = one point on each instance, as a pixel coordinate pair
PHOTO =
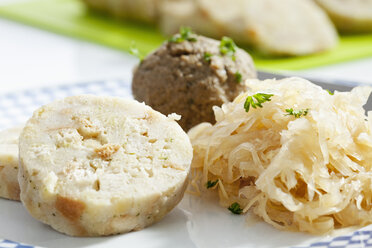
(138, 10)
(286, 27)
(350, 16)
(210, 18)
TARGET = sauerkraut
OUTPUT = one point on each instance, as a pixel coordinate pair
(310, 172)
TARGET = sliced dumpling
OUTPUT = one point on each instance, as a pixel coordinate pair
(349, 15)
(92, 166)
(140, 10)
(9, 187)
(287, 27)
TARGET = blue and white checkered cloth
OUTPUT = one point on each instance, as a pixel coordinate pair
(16, 108)
(11, 244)
(358, 239)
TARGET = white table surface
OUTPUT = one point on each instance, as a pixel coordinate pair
(30, 58)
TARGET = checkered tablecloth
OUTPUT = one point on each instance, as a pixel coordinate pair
(11, 244)
(16, 108)
(358, 239)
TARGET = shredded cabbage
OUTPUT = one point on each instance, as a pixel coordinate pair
(312, 173)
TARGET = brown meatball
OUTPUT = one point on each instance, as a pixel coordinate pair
(190, 77)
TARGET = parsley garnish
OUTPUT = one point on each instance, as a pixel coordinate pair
(330, 92)
(238, 77)
(207, 56)
(297, 113)
(185, 34)
(256, 100)
(228, 47)
(211, 184)
(134, 51)
(235, 208)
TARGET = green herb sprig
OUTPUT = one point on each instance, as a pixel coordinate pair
(256, 100)
(228, 47)
(185, 34)
(235, 208)
(297, 113)
(330, 92)
(207, 56)
(238, 77)
(135, 51)
(211, 184)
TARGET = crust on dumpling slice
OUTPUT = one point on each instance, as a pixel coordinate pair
(93, 166)
(9, 187)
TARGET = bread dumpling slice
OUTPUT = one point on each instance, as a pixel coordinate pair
(175, 14)
(288, 27)
(9, 187)
(210, 18)
(350, 16)
(93, 166)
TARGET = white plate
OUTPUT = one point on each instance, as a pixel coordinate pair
(195, 222)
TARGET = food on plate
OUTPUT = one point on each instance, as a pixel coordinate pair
(349, 15)
(9, 187)
(287, 27)
(296, 155)
(190, 74)
(93, 166)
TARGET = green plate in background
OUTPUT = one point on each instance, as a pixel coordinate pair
(71, 18)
